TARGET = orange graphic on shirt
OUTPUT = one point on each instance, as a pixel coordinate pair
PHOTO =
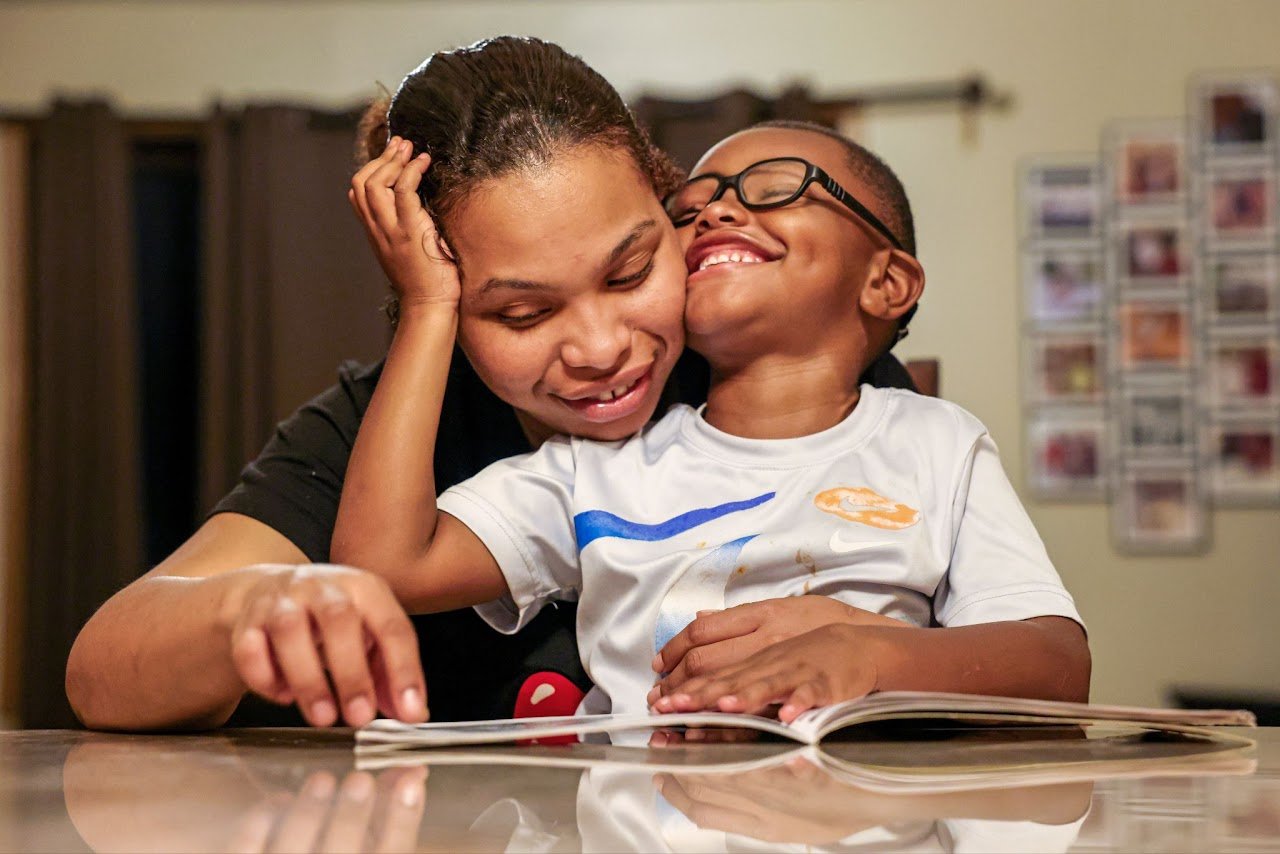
(859, 504)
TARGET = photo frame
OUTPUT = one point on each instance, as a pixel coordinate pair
(1147, 163)
(1154, 335)
(1064, 285)
(1243, 370)
(1243, 457)
(1067, 368)
(1061, 201)
(1239, 206)
(1242, 288)
(1157, 423)
(1066, 455)
(1235, 115)
(1159, 508)
(1152, 255)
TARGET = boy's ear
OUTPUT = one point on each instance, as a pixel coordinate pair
(893, 286)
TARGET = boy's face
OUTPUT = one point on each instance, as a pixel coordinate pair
(796, 290)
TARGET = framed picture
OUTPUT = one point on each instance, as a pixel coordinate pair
(1235, 115)
(1244, 460)
(1061, 200)
(1240, 205)
(1064, 286)
(1242, 288)
(1067, 368)
(1148, 162)
(1152, 255)
(1159, 508)
(1066, 455)
(1242, 370)
(1157, 423)
(1154, 335)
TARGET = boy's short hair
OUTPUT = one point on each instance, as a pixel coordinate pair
(894, 206)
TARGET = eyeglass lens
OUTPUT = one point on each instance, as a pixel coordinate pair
(772, 182)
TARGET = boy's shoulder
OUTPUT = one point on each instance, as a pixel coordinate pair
(922, 415)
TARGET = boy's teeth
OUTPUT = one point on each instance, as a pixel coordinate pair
(735, 257)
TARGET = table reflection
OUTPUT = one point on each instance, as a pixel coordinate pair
(235, 792)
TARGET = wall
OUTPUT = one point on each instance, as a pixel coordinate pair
(1070, 65)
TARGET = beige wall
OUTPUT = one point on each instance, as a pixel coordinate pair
(1070, 65)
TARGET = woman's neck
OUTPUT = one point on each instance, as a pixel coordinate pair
(782, 398)
(534, 430)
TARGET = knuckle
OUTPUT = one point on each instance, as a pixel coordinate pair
(695, 662)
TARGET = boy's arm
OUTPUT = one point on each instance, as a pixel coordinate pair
(388, 521)
(1043, 658)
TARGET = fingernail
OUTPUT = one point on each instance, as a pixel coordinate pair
(320, 787)
(656, 664)
(707, 611)
(411, 793)
(358, 787)
(411, 699)
(359, 711)
(286, 605)
(323, 712)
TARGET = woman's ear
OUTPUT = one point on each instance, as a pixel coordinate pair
(893, 286)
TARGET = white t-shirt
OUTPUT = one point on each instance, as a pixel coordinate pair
(902, 509)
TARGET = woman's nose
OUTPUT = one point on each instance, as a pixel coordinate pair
(599, 340)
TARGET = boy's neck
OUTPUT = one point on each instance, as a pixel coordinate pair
(782, 398)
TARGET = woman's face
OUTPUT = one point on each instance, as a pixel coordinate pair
(572, 292)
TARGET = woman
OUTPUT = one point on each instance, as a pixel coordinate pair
(235, 607)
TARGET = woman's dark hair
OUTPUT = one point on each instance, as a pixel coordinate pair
(500, 106)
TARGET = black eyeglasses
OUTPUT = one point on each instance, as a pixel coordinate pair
(764, 186)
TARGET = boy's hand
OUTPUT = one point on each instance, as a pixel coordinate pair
(299, 628)
(719, 639)
(384, 194)
(827, 665)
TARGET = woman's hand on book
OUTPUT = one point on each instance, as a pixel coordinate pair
(297, 630)
(384, 194)
(719, 639)
(830, 664)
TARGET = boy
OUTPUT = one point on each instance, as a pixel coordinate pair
(792, 480)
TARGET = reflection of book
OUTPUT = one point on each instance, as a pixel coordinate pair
(812, 726)
(919, 761)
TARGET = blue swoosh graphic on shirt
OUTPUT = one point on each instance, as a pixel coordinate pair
(591, 525)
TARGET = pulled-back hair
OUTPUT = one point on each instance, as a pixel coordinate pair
(891, 202)
(504, 105)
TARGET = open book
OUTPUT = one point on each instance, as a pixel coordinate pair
(812, 726)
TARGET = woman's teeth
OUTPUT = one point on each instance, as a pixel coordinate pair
(730, 258)
(614, 392)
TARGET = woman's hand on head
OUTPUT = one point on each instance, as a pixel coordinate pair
(302, 634)
(720, 639)
(384, 194)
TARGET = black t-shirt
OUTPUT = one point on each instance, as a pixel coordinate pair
(472, 671)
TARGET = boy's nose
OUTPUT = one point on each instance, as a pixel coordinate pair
(726, 210)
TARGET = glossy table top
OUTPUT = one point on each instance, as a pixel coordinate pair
(303, 790)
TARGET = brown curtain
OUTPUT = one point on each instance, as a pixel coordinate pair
(86, 520)
(686, 129)
(290, 285)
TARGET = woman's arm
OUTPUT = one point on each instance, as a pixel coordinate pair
(388, 522)
(179, 647)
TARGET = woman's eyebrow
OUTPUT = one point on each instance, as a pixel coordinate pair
(614, 254)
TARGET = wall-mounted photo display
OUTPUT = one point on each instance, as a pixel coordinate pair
(1153, 335)
(1242, 288)
(1152, 254)
(1066, 454)
(1061, 201)
(1066, 368)
(1064, 285)
(1240, 206)
(1234, 114)
(1159, 508)
(1156, 423)
(1243, 457)
(1147, 163)
(1243, 370)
